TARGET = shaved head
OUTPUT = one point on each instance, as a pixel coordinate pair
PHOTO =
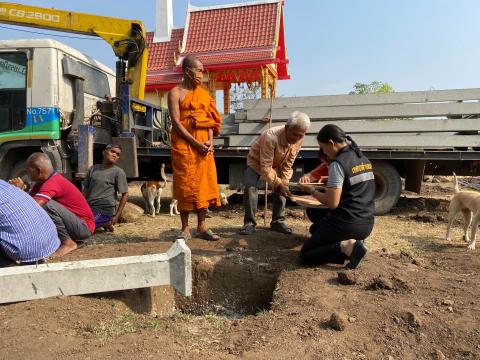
(190, 61)
(41, 161)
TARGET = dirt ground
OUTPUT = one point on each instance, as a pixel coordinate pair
(414, 297)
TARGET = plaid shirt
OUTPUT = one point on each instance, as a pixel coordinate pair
(26, 231)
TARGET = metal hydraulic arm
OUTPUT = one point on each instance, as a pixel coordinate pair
(140, 124)
(126, 37)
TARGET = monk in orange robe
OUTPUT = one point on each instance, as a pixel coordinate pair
(195, 120)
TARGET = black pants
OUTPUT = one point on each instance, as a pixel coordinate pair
(5, 260)
(324, 245)
(315, 215)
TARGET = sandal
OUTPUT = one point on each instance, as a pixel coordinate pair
(248, 229)
(281, 227)
(209, 235)
(186, 236)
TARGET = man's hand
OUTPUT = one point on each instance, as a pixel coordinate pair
(115, 219)
(200, 147)
(209, 145)
(283, 190)
(309, 189)
(18, 182)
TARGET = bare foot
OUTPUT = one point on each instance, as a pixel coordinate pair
(66, 247)
(108, 227)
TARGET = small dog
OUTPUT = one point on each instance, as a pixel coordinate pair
(173, 207)
(152, 193)
(174, 203)
(468, 202)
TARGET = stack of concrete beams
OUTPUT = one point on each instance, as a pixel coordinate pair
(440, 119)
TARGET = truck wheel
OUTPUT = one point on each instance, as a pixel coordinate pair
(19, 170)
(387, 186)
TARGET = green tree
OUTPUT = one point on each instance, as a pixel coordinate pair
(372, 88)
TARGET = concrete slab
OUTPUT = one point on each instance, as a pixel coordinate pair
(94, 276)
(382, 141)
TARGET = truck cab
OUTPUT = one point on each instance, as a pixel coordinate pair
(47, 89)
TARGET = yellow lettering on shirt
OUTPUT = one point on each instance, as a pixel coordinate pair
(361, 167)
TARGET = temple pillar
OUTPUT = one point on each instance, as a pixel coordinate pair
(264, 82)
(226, 98)
(212, 85)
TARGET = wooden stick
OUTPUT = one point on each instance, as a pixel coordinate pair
(266, 182)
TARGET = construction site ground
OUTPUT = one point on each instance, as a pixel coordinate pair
(415, 296)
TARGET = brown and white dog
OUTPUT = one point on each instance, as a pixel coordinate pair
(467, 202)
(173, 207)
(174, 203)
(152, 193)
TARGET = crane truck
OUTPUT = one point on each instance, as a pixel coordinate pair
(57, 100)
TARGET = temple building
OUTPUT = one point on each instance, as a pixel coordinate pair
(240, 43)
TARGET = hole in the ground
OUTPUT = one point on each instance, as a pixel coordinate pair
(234, 285)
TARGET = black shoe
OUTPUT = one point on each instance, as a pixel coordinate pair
(358, 253)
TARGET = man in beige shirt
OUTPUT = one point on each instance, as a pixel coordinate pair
(271, 158)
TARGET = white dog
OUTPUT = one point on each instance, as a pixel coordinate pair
(468, 202)
(174, 203)
(152, 193)
(173, 207)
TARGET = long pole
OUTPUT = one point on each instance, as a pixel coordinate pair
(266, 182)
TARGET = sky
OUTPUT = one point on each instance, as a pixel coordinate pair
(331, 45)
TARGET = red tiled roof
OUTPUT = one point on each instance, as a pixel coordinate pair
(222, 37)
(231, 27)
(162, 78)
(160, 55)
(236, 56)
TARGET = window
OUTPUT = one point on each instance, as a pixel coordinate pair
(96, 82)
(13, 94)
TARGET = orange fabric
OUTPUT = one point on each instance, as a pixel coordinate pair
(320, 171)
(195, 175)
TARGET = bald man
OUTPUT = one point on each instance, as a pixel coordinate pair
(62, 201)
(195, 120)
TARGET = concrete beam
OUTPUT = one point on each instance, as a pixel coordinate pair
(94, 276)
(370, 126)
(365, 99)
(382, 141)
(371, 111)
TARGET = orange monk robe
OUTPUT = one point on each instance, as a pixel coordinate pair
(195, 175)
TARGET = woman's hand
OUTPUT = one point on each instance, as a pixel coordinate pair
(304, 179)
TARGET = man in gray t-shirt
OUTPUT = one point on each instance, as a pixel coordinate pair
(104, 181)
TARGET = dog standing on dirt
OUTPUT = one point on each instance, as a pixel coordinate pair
(467, 202)
(152, 193)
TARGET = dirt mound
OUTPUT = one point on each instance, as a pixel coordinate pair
(422, 204)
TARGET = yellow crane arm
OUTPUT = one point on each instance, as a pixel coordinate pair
(126, 37)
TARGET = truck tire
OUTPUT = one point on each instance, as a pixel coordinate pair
(388, 186)
(19, 170)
